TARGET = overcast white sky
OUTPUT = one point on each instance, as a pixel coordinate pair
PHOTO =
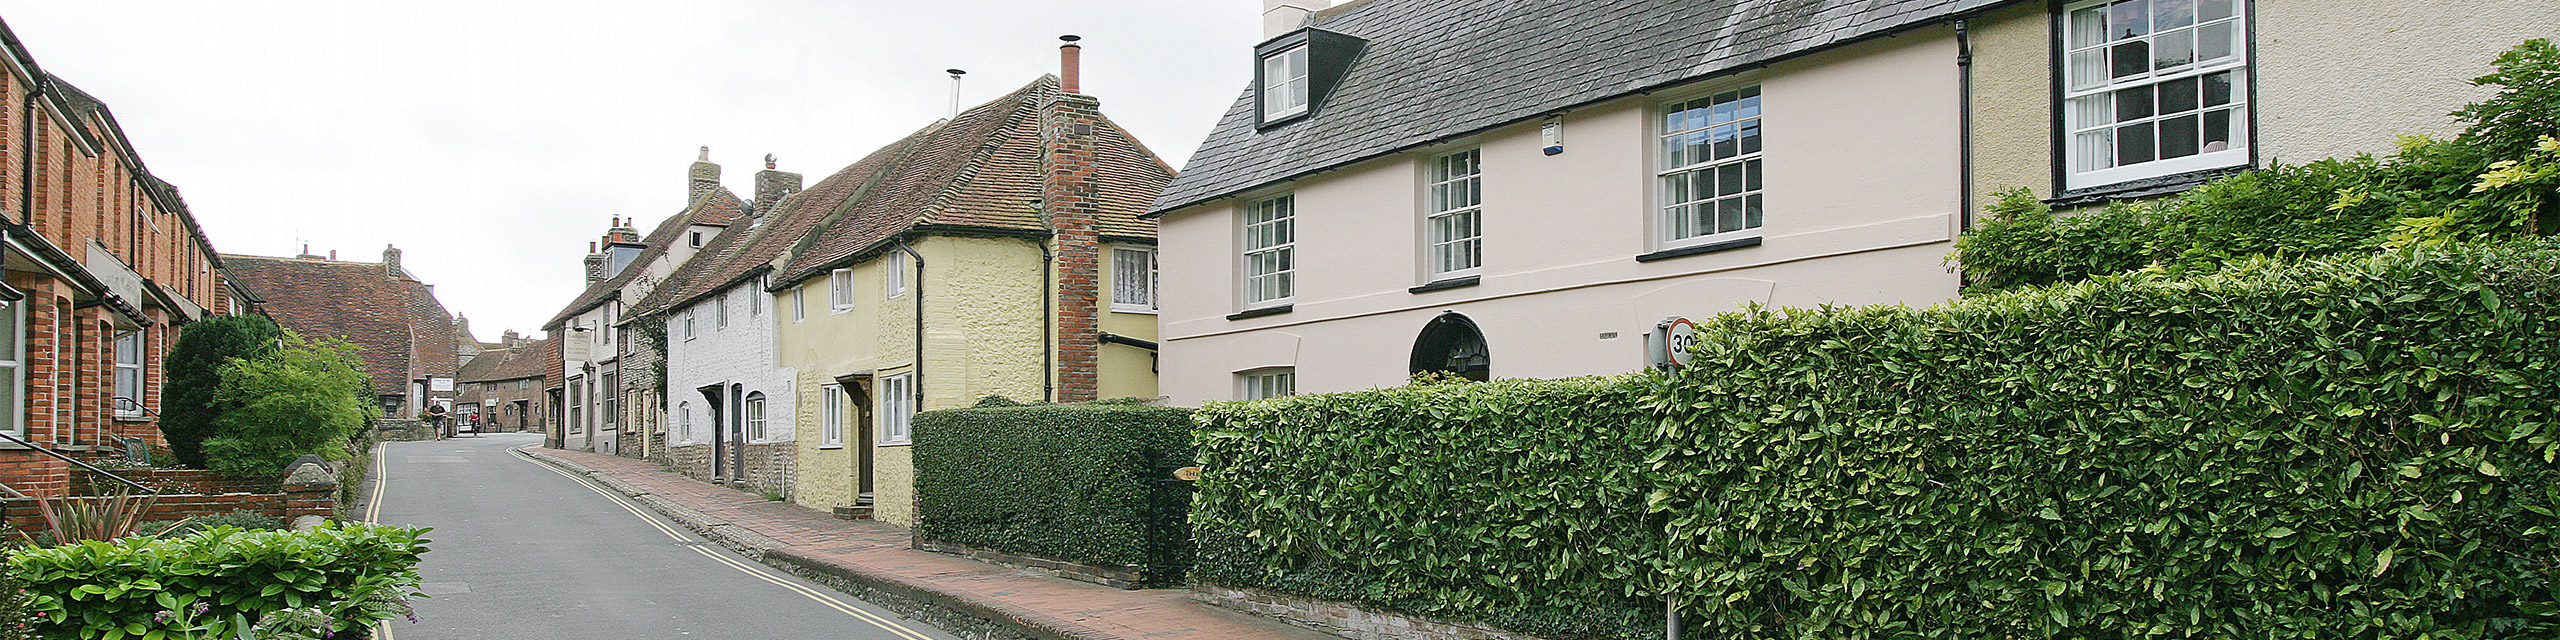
(492, 139)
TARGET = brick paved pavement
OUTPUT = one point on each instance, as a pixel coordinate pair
(874, 556)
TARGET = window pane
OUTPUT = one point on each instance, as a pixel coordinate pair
(2133, 144)
(1729, 215)
(2096, 150)
(1726, 144)
(2088, 69)
(2092, 111)
(1751, 175)
(2127, 19)
(2173, 49)
(1729, 179)
(2217, 89)
(2178, 137)
(2133, 104)
(2211, 10)
(2217, 130)
(2088, 27)
(2178, 95)
(2131, 58)
(2213, 41)
(1751, 211)
(1751, 136)
(2171, 14)
(1722, 111)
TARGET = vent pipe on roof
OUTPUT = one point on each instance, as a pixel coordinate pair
(1283, 16)
(955, 90)
(1067, 58)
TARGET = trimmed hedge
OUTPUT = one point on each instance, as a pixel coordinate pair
(1517, 502)
(1088, 483)
(2357, 448)
(115, 589)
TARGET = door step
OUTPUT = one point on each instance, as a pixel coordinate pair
(857, 512)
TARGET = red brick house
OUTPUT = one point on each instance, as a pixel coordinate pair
(102, 264)
(506, 384)
(404, 336)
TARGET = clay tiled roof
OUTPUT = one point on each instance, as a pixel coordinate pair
(743, 250)
(524, 361)
(398, 328)
(718, 207)
(982, 172)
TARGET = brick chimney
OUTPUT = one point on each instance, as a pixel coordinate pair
(772, 186)
(1283, 16)
(391, 263)
(1068, 208)
(702, 177)
(595, 264)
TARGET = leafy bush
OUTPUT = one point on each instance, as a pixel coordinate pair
(75, 519)
(1514, 502)
(1085, 483)
(17, 622)
(2491, 182)
(2358, 448)
(188, 402)
(305, 398)
(131, 587)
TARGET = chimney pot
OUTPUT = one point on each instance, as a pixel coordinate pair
(1067, 64)
(1283, 16)
(333, 254)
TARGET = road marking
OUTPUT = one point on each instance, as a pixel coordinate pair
(822, 598)
(373, 513)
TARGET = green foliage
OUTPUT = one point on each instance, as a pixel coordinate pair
(74, 519)
(2491, 182)
(991, 402)
(2355, 448)
(1089, 483)
(241, 519)
(306, 398)
(220, 577)
(17, 621)
(1514, 502)
(2358, 447)
(188, 404)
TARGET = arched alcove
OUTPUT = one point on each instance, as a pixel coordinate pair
(1451, 343)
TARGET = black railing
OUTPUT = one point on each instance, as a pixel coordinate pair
(30, 445)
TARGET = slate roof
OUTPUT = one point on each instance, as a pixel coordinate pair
(524, 361)
(393, 322)
(1438, 69)
(718, 207)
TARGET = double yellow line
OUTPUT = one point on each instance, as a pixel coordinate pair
(373, 514)
(759, 573)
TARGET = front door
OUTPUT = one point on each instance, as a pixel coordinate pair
(711, 397)
(857, 391)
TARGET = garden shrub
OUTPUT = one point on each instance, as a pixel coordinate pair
(1090, 483)
(2358, 447)
(17, 620)
(2354, 448)
(242, 519)
(121, 588)
(305, 398)
(188, 400)
(1514, 502)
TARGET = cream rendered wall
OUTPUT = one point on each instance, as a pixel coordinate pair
(2339, 78)
(1861, 200)
(983, 334)
(2012, 102)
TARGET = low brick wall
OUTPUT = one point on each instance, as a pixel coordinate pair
(34, 473)
(169, 481)
(21, 515)
(1347, 620)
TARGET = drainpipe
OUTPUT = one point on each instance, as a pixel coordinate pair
(1048, 325)
(917, 389)
(1964, 124)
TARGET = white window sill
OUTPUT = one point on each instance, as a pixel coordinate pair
(2158, 168)
(899, 443)
(825, 447)
(1136, 310)
(839, 311)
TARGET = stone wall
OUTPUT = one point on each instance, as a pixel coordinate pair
(403, 430)
(770, 466)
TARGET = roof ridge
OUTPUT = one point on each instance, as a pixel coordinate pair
(854, 200)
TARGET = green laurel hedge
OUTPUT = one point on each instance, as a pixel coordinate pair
(141, 586)
(2356, 448)
(1088, 483)
(1517, 502)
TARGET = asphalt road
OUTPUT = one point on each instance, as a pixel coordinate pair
(522, 551)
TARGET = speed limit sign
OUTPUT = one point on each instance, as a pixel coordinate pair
(1668, 345)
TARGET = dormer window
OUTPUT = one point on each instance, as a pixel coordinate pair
(1295, 71)
(1284, 83)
